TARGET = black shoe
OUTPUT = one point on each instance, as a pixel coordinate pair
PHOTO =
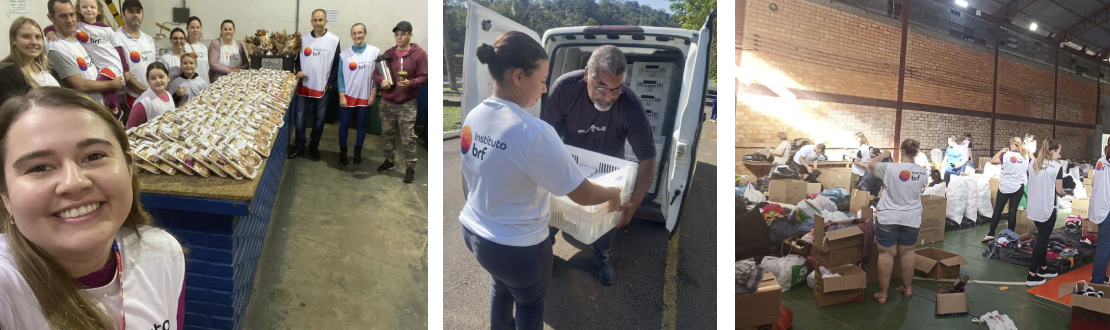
(314, 152)
(1033, 280)
(343, 155)
(605, 273)
(296, 152)
(410, 174)
(387, 165)
(358, 155)
(1047, 273)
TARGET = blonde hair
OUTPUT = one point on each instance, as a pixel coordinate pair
(1044, 151)
(862, 139)
(1021, 147)
(63, 302)
(100, 18)
(17, 58)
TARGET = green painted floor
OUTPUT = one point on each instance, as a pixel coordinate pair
(1027, 310)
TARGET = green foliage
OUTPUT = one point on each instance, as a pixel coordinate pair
(541, 15)
(691, 15)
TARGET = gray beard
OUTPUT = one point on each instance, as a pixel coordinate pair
(602, 107)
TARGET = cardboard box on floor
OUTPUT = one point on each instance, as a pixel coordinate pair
(937, 264)
(994, 192)
(949, 304)
(872, 267)
(1080, 207)
(791, 191)
(846, 288)
(760, 307)
(838, 247)
(1024, 225)
(932, 219)
(836, 178)
(860, 199)
(1088, 312)
(1090, 227)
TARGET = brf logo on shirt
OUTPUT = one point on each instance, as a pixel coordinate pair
(1013, 159)
(1099, 166)
(904, 175)
(82, 36)
(469, 139)
(309, 52)
(81, 64)
(135, 57)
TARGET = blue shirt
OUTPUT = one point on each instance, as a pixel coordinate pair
(955, 156)
(342, 86)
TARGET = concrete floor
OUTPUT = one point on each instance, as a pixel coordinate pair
(1028, 311)
(347, 246)
(575, 298)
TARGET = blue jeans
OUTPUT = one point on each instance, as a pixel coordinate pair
(520, 275)
(304, 104)
(888, 235)
(1102, 254)
(949, 173)
(714, 116)
(345, 122)
(602, 246)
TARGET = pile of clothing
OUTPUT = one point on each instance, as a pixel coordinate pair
(1088, 241)
(1015, 249)
(748, 276)
(1073, 224)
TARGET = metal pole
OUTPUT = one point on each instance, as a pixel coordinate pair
(1055, 90)
(994, 95)
(901, 77)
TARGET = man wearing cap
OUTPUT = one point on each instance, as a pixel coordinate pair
(138, 48)
(70, 61)
(593, 110)
(315, 68)
(409, 65)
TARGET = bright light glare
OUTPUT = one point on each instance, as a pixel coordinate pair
(1033, 27)
(962, 3)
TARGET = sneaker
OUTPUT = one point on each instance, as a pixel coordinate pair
(988, 238)
(410, 175)
(1033, 280)
(1047, 273)
(605, 273)
(386, 165)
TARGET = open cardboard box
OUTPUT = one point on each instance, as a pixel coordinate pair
(760, 307)
(838, 247)
(860, 200)
(846, 288)
(1024, 224)
(836, 178)
(994, 192)
(937, 264)
(791, 191)
(949, 304)
(1088, 312)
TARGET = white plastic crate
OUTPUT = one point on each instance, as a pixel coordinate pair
(654, 102)
(630, 155)
(653, 69)
(655, 116)
(657, 129)
(654, 86)
(588, 223)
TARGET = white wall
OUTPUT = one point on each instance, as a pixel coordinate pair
(272, 15)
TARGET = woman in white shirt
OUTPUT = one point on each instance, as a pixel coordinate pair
(1011, 182)
(513, 163)
(172, 58)
(225, 55)
(78, 242)
(782, 152)
(1099, 211)
(1046, 185)
(860, 159)
(197, 48)
(899, 219)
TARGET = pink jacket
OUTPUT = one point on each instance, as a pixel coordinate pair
(217, 70)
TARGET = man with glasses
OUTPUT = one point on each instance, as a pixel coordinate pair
(408, 64)
(316, 63)
(591, 109)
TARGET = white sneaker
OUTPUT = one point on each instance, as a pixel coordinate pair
(988, 238)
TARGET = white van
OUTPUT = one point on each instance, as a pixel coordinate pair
(668, 70)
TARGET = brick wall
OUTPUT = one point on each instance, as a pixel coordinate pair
(1073, 141)
(1024, 90)
(933, 129)
(941, 73)
(1076, 100)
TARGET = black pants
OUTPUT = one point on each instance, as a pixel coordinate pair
(1000, 201)
(520, 278)
(1040, 248)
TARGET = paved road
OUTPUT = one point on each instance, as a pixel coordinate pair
(575, 299)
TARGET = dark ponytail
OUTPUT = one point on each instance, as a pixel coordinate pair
(910, 147)
(512, 50)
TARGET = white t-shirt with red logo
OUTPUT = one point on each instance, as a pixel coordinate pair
(200, 51)
(512, 162)
(356, 80)
(902, 185)
(100, 42)
(72, 52)
(1041, 200)
(153, 284)
(1100, 194)
(1013, 174)
(316, 60)
(140, 52)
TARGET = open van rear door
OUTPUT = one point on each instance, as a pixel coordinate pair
(484, 26)
(683, 148)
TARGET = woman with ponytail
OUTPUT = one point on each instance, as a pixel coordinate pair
(78, 251)
(1011, 182)
(512, 163)
(1099, 211)
(1046, 185)
(899, 220)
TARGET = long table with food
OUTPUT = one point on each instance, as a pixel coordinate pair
(210, 171)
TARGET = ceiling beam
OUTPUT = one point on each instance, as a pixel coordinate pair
(1088, 23)
(1012, 8)
(972, 12)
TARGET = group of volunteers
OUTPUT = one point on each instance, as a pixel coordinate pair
(513, 162)
(82, 52)
(77, 249)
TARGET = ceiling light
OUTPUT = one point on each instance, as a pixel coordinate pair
(962, 3)
(1033, 27)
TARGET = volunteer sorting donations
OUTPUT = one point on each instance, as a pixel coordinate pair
(591, 109)
(806, 159)
(1011, 182)
(1046, 186)
(513, 163)
(956, 157)
(1099, 210)
(860, 159)
(898, 221)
